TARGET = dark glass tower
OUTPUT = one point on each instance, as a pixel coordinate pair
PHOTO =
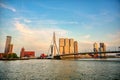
(8, 42)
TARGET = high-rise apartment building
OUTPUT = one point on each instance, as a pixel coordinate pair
(68, 46)
(7, 45)
(75, 47)
(61, 45)
(71, 45)
(95, 47)
(102, 49)
(10, 48)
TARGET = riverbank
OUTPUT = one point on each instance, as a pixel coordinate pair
(11, 59)
(37, 69)
(8, 59)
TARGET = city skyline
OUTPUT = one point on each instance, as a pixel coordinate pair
(32, 23)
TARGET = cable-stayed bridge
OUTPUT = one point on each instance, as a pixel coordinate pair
(92, 54)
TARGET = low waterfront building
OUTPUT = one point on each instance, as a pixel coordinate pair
(29, 54)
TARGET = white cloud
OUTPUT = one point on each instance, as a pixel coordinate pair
(112, 42)
(8, 7)
(36, 39)
(50, 7)
(85, 45)
(44, 21)
(114, 36)
(27, 21)
(50, 21)
(86, 36)
(22, 28)
(114, 39)
(22, 19)
(87, 25)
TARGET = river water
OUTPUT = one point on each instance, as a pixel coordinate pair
(82, 69)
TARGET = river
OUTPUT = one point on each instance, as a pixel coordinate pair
(82, 69)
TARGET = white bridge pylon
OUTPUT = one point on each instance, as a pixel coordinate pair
(53, 47)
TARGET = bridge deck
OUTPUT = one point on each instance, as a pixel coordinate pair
(90, 53)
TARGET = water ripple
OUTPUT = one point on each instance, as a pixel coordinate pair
(59, 70)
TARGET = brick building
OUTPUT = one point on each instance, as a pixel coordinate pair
(30, 54)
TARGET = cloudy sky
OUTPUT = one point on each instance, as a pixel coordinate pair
(31, 23)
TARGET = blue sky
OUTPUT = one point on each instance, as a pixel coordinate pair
(32, 22)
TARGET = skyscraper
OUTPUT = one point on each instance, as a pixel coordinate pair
(61, 45)
(71, 45)
(10, 48)
(75, 47)
(7, 45)
(95, 47)
(66, 46)
(102, 49)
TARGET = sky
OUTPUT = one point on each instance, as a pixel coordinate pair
(31, 23)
